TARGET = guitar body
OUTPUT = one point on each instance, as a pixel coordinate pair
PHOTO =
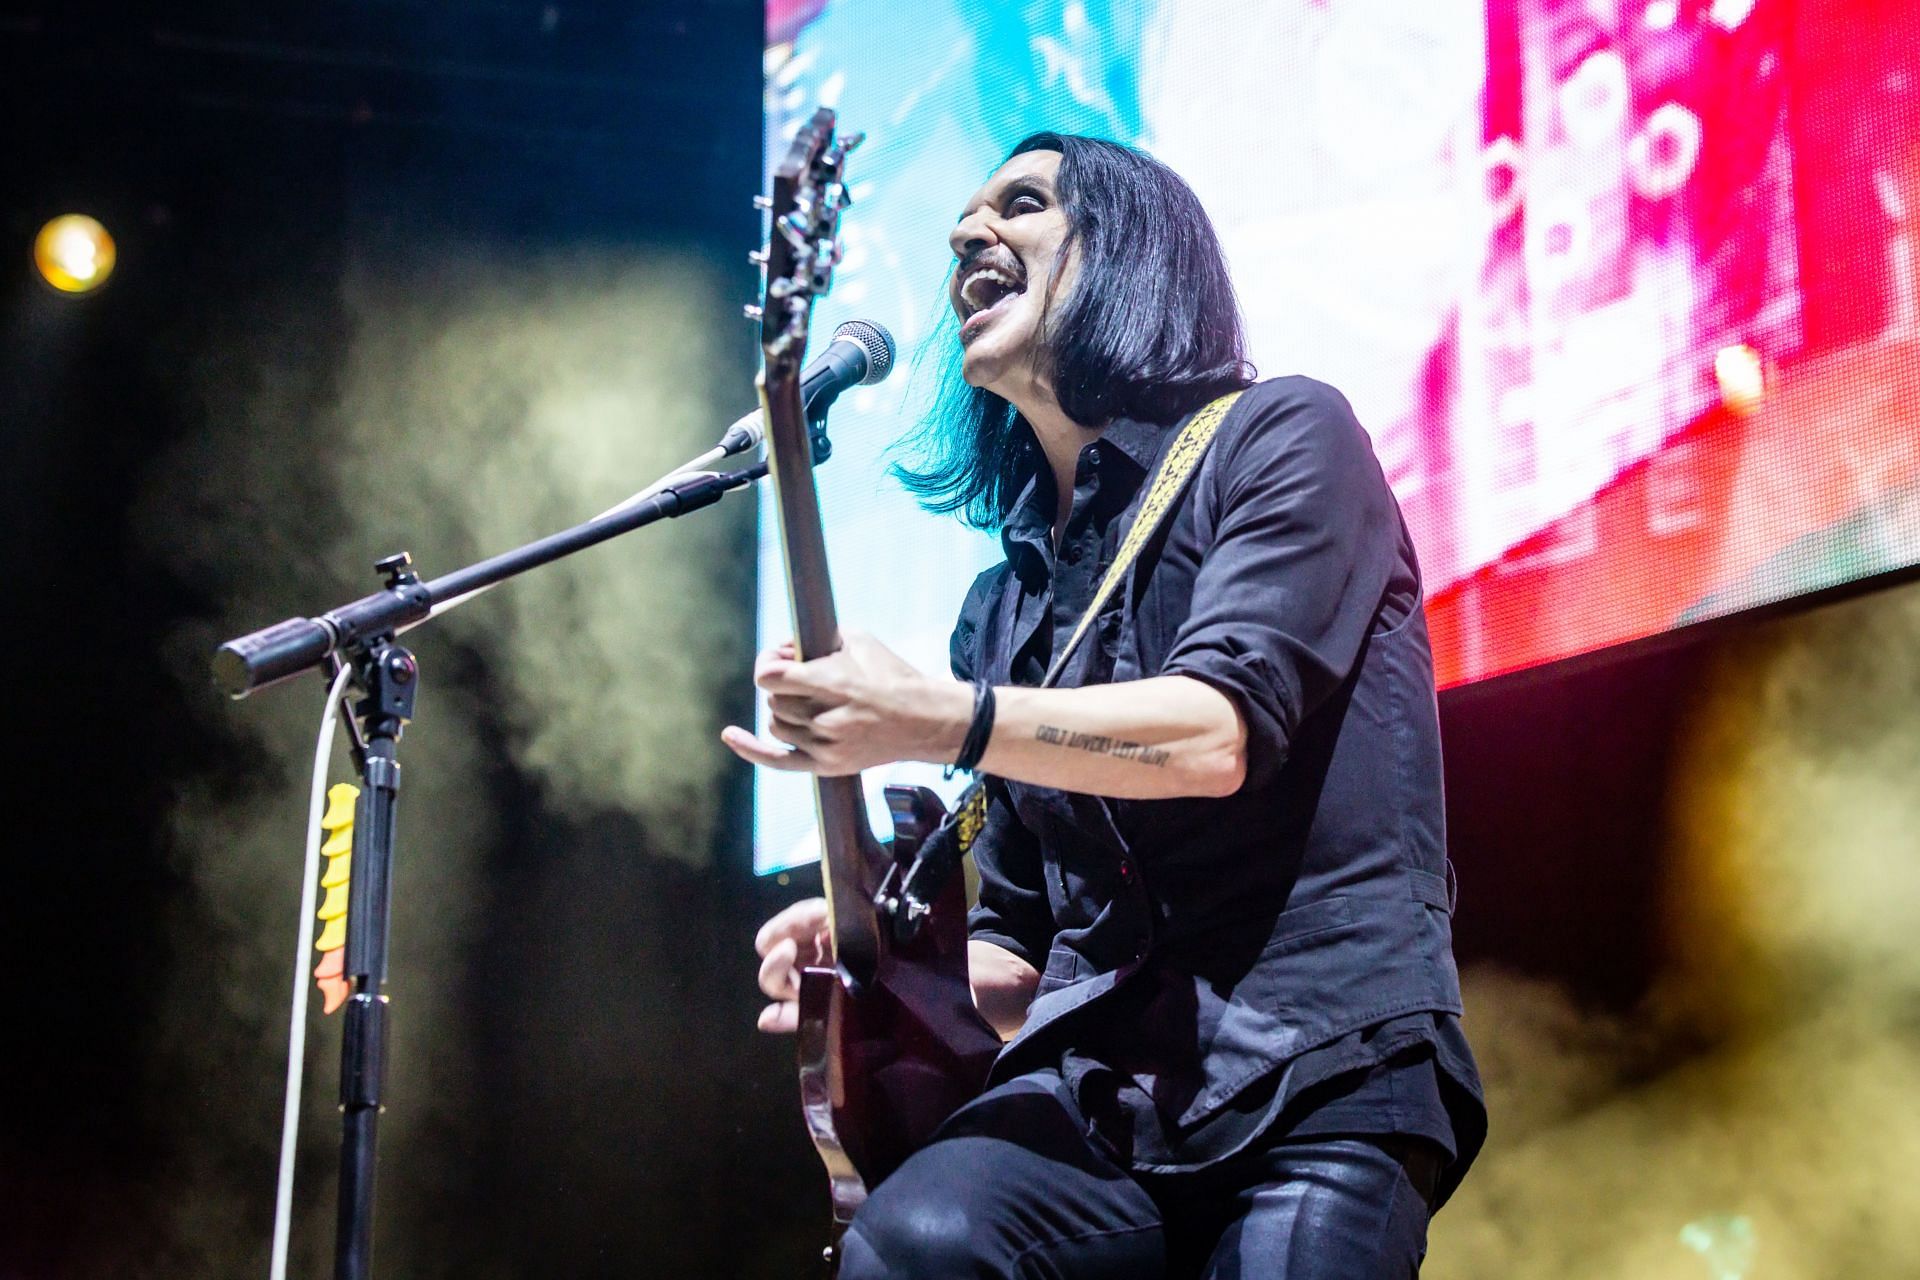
(884, 1065)
(890, 1042)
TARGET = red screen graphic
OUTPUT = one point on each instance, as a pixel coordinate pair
(1686, 374)
(1623, 290)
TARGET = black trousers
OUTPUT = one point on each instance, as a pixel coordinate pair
(1013, 1187)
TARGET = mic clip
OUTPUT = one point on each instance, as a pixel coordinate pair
(747, 434)
(817, 437)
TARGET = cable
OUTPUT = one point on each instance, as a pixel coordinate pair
(297, 1026)
(682, 472)
(316, 807)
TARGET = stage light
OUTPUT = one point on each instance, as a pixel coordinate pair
(74, 253)
(1742, 378)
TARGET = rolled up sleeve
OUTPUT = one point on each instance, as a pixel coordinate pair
(1012, 912)
(1306, 540)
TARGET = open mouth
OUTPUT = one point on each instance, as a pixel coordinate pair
(984, 294)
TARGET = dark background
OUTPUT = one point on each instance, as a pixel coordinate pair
(227, 146)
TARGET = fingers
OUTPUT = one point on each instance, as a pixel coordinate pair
(795, 937)
(780, 967)
(782, 665)
(780, 972)
(806, 918)
(783, 652)
(785, 708)
(809, 722)
(766, 752)
(780, 980)
(771, 659)
(801, 679)
(822, 679)
(794, 735)
(808, 754)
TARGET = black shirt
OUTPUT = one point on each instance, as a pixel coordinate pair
(1284, 577)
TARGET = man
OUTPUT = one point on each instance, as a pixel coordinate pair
(1214, 906)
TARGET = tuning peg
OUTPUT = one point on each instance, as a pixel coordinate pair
(752, 311)
(758, 257)
(763, 202)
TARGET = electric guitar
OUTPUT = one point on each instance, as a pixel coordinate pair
(890, 1042)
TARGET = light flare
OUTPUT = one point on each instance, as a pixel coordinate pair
(74, 253)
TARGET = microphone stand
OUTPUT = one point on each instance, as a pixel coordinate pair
(363, 634)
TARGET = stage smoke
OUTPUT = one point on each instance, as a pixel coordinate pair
(1753, 1116)
(462, 404)
(484, 405)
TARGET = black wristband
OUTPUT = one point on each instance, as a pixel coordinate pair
(975, 744)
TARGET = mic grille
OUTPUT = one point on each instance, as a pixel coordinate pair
(876, 342)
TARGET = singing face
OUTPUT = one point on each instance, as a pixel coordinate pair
(1006, 245)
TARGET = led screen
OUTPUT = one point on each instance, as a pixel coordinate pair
(1627, 293)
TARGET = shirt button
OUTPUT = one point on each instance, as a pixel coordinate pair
(1126, 870)
(1093, 455)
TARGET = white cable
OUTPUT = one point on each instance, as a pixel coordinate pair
(685, 471)
(309, 890)
(297, 1027)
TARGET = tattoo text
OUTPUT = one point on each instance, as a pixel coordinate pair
(1101, 745)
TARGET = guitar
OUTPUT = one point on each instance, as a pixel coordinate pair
(890, 1043)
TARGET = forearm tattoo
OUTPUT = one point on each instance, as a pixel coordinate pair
(1101, 745)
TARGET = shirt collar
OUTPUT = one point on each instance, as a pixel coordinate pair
(1137, 442)
(1126, 444)
(1029, 522)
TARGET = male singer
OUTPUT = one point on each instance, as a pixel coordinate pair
(1214, 916)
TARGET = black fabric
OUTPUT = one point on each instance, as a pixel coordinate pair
(1207, 962)
(1013, 1188)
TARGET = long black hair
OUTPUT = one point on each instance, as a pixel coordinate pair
(1149, 329)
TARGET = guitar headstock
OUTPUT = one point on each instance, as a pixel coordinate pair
(803, 241)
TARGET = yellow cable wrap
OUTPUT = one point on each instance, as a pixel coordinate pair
(338, 823)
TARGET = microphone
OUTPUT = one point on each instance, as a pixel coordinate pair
(860, 355)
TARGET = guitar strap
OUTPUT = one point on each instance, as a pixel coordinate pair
(1177, 466)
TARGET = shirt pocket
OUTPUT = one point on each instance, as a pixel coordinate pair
(1065, 966)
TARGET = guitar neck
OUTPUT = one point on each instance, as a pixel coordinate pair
(852, 862)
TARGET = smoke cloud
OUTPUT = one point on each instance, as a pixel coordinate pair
(1754, 1116)
(463, 405)
(527, 400)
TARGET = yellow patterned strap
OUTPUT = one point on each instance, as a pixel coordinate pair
(971, 816)
(1181, 461)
